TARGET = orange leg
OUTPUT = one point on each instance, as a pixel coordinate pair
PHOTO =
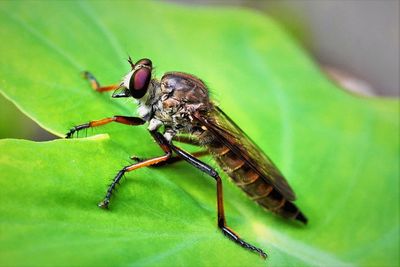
(96, 85)
(164, 146)
(174, 159)
(181, 139)
(120, 119)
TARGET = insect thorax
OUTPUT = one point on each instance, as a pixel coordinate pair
(172, 100)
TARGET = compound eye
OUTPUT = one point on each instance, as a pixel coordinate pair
(139, 82)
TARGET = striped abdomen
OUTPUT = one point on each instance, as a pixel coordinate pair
(251, 182)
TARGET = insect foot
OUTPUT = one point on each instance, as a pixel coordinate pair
(87, 75)
(76, 129)
(231, 235)
(135, 158)
(104, 204)
(70, 133)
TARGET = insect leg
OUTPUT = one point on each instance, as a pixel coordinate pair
(96, 85)
(164, 146)
(181, 139)
(120, 119)
(174, 159)
(221, 215)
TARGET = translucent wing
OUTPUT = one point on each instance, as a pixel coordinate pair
(228, 133)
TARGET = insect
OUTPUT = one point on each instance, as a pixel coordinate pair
(177, 108)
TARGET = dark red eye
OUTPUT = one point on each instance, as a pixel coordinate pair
(139, 82)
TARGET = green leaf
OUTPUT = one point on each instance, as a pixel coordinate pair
(339, 151)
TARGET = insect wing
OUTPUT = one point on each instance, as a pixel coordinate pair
(227, 132)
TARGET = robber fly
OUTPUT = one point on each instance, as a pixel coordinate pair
(180, 103)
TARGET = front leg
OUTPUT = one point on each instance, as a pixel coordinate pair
(96, 85)
(120, 119)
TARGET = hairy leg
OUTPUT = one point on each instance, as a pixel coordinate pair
(119, 119)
